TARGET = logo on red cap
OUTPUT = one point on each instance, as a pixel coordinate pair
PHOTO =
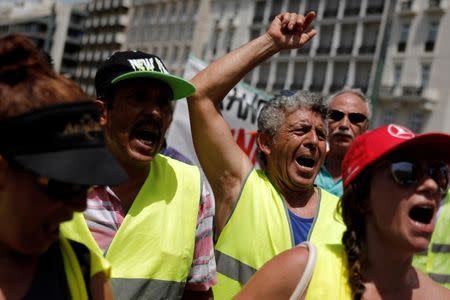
(400, 132)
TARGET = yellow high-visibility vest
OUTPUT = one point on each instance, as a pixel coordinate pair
(259, 228)
(78, 287)
(330, 276)
(152, 252)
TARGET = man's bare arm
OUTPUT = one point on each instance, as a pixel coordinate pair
(223, 162)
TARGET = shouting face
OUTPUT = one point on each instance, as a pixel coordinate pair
(137, 120)
(297, 150)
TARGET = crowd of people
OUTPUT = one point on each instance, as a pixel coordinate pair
(94, 204)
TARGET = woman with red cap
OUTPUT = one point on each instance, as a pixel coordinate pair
(393, 183)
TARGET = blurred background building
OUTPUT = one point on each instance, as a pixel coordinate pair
(396, 51)
(55, 26)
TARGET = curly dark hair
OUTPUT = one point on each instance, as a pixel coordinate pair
(354, 207)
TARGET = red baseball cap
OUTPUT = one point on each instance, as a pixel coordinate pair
(373, 145)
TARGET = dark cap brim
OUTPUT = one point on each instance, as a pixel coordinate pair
(181, 88)
(89, 166)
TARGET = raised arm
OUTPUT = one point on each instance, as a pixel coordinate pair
(223, 162)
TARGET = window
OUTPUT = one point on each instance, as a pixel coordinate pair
(331, 9)
(339, 76)
(276, 9)
(432, 35)
(320, 69)
(375, 7)
(293, 6)
(352, 7)
(416, 121)
(264, 70)
(215, 38)
(312, 5)
(325, 35)
(229, 36)
(299, 76)
(425, 75)
(260, 6)
(405, 5)
(280, 76)
(187, 51)
(362, 75)
(389, 116)
(404, 32)
(369, 38)
(397, 74)
(348, 32)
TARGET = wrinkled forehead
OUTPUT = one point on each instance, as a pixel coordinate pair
(304, 116)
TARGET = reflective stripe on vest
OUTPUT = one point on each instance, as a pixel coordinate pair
(440, 248)
(130, 288)
(442, 279)
(259, 228)
(155, 242)
(233, 268)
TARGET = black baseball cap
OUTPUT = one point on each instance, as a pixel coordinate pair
(63, 142)
(124, 65)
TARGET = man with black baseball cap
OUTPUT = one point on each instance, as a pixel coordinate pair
(156, 228)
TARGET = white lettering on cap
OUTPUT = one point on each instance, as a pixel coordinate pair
(400, 132)
(148, 64)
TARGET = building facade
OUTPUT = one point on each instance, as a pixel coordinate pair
(415, 89)
(55, 27)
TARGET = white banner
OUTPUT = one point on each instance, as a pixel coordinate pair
(239, 108)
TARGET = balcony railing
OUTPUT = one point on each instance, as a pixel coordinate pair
(411, 90)
(344, 50)
(367, 49)
(323, 50)
(387, 90)
(375, 10)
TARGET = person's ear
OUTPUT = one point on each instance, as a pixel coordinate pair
(265, 142)
(101, 106)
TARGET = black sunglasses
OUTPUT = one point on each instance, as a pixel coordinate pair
(62, 190)
(407, 173)
(354, 118)
(55, 189)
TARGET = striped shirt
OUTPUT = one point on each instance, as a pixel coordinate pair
(105, 214)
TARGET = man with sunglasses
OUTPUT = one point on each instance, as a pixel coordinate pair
(349, 113)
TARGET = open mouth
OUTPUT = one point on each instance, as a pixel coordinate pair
(307, 162)
(147, 137)
(422, 214)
